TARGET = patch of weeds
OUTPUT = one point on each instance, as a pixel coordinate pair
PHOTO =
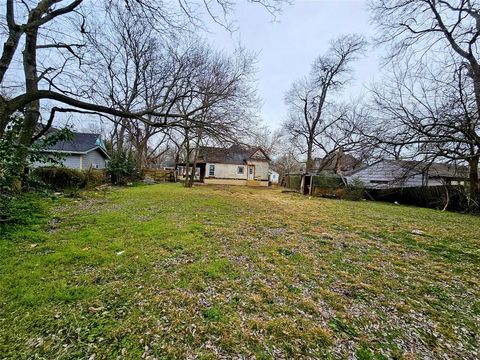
(218, 268)
(212, 314)
(235, 300)
(339, 228)
(263, 355)
(364, 353)
(342, 326)
(286, 328)
(476, 308)
(285, 252)
(292, 255)
(293, 289)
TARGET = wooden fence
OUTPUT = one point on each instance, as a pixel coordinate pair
(160, 175)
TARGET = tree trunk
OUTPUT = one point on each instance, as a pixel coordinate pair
(474, 180)
(194, 166)
(32, 110)
(187, 160)
(4, 117)
(140, 154)
(121, 136)
(9, 48)
(309, 164)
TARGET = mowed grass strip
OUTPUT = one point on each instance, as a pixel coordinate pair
(167, 272)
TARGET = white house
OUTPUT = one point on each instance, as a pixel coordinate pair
(83, 152)
(273, 177)
(236, 165)
(385, 174)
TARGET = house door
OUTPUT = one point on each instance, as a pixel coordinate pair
(251, 172)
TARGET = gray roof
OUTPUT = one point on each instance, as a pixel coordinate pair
(421, 167)
(235, 154)
(81, 143)
(434, 169)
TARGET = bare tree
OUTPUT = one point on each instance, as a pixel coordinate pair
(59, 27)
(314, 119)
(286, 161)
(428, 115)
(144, 70)
(448, 30)
(223, 87)
(268, 140)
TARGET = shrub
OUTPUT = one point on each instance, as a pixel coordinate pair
(122, 168)
(355, 190)
(14, 157)
(93, 178)
(327, 181)
(60, 178)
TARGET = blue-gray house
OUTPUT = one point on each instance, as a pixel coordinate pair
(84, 151)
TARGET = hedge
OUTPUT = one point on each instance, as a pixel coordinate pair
(61, 178)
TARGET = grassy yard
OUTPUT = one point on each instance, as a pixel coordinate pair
(166, 272)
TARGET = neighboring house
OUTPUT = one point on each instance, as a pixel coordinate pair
(336, 163)
(401, 174)
(83, 152)
(168, 165)
(236, 165)
(273, 177)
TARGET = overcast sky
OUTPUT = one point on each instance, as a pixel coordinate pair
(286, 48)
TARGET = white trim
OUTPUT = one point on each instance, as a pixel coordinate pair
(79, 152)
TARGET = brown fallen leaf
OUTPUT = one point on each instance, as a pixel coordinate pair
(93, 310)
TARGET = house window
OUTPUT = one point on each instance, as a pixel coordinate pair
(379, 181)
(240, 169)
(211, 170)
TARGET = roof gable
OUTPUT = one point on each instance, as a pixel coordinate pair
(259, 154)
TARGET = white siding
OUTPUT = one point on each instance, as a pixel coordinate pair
(226, 171)
(273, 177)
(261, 169)
(93, 159)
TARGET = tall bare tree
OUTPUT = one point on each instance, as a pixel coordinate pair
(223, 87)
(314, 118)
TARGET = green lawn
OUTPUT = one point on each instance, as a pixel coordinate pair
(166, 272)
